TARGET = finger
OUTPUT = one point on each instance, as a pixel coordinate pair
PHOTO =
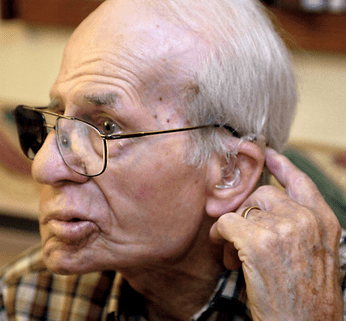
(297, 184)
(216, 236)
(242, 234)
(220, 233)
(270, 200)
(245, 212)
(301, 189)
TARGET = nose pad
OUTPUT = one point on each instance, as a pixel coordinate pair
(49, 167)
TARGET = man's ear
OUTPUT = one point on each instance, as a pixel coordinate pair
(231, 181)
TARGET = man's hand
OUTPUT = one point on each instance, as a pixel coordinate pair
(288, 250)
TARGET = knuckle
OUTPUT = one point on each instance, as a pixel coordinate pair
(222, 224)
(286, 230)
(267, 241)
(309, 226)
(223, 220)
(266, 190)
(303, 181)
(307, 220)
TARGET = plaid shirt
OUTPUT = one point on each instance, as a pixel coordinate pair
(28, 291)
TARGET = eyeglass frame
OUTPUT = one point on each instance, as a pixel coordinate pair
(106, 137)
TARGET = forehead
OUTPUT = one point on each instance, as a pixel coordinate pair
(134, 30)
(129, 40)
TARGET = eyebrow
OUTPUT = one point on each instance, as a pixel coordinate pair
(54, 104)
(106, 99)
(102, 99)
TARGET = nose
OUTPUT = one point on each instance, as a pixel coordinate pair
(49, 168)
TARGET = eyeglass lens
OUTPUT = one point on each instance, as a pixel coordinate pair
(80, 144)
(31, 130)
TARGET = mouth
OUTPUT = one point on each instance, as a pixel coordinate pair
(68, 217)
(75, 220)
(71, 230)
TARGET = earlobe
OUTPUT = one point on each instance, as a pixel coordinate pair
(235, 179)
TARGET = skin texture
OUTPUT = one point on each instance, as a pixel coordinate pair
(146, 215)
(288, 251)
(150, 214)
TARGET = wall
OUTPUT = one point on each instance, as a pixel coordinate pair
(321, 115)
(29, 61)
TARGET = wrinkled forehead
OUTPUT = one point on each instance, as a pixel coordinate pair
(113, 23)
(131, 29)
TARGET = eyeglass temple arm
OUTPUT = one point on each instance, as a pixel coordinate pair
(49, 126)
(140, 134)
(229, 128)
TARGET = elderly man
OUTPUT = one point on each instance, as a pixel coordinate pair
(150, 152)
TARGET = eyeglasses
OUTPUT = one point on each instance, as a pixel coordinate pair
(82, 145)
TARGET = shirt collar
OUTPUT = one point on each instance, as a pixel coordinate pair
(112, 305)
(229, 297)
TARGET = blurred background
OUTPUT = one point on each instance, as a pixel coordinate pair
(33, 34)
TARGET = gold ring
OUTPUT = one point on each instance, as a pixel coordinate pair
(247, 210)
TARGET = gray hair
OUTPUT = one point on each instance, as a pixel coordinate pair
(247, 80)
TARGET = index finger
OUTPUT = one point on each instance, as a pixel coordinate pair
(298, 185)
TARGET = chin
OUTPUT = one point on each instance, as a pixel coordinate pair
(66, 259)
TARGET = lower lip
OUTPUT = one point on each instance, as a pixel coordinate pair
(72, 232)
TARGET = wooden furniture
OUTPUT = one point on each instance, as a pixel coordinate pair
(303, 30)
(62, 13)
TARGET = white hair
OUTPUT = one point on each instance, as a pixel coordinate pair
(247, 80)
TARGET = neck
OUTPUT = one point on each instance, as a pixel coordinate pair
(183, 296)
(178, 291)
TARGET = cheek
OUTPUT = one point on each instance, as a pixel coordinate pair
(162, 199)
(153, 194)
(144, 192)
(157, 184)
(153, 191)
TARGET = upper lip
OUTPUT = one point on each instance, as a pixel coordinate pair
(65, 217)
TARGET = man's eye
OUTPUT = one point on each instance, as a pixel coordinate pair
(110, 127)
